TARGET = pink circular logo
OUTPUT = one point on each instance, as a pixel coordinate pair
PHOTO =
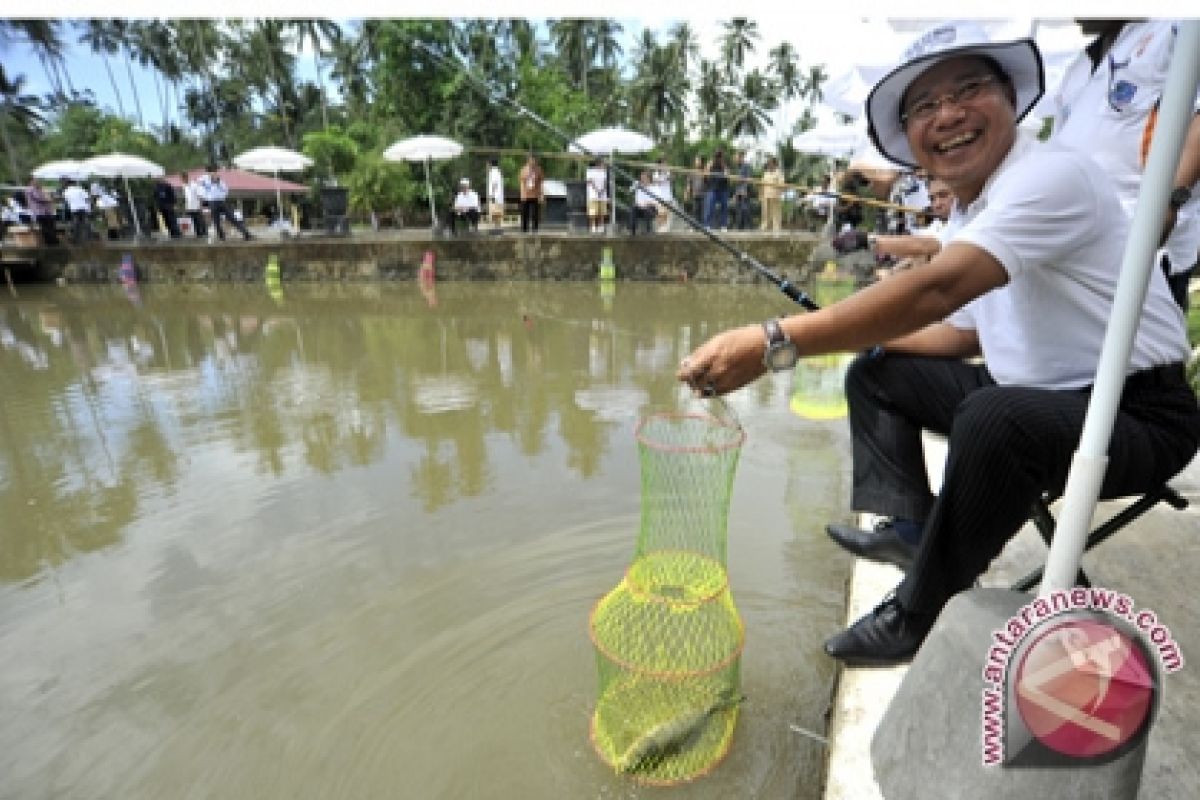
(1085, 688)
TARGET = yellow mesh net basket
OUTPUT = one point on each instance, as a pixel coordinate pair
(668, 644)
(668, 638)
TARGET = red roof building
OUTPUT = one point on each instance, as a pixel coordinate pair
(242, 183)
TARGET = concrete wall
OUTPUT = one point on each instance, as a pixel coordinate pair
(547, 256)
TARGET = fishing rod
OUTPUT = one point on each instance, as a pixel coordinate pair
(793, 292)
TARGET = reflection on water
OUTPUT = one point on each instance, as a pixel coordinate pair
(343, 541)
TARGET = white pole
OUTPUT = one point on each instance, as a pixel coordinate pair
(612, 201)
(278, 203)
(1091, 459)
(429, 188)
(137, 226)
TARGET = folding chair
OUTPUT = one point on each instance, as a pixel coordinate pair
(1044, 522)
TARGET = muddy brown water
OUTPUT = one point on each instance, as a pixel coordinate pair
(343, 541)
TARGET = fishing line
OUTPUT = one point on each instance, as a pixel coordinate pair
(791, 290)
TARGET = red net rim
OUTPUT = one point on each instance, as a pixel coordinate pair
(734, 443)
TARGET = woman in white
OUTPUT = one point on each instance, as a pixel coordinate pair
(495, 194)
(660, 184)
(597, 195)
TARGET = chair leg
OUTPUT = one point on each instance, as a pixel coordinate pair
(1045, 523)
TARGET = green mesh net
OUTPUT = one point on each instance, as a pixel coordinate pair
(668, 638)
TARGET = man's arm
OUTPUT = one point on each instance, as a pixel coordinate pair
(1186, 174)
(883, 312)
(939, 339)
(907, 246)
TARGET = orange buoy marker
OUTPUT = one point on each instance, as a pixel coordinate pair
(426, 274)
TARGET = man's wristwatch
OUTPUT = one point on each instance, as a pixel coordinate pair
(781, 351)
(1179, 197)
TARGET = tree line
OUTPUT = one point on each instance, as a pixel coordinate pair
(222, 86)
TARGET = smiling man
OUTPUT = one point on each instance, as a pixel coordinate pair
(1026, 279)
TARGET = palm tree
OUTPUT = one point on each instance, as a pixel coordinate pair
(518, 38)
(749, 115)
(199, 45)
(349, 70)
(42, 35)
(269, 47)
(123, 32)
(572, 40)
(100, 36)
(710, 97)
(686, 44)
(322, 34)
(785, 69)
(737, 41)
(812, 85)
(658, 93)
(22, 111)
(604, 43)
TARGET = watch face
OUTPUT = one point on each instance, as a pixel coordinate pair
(1180, 196)
(782, 356)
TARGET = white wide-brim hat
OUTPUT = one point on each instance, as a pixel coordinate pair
(1020, 59)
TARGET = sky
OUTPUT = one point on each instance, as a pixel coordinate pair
(836, 40)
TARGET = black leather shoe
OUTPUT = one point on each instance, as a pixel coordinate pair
(887, 636)
(882, 544)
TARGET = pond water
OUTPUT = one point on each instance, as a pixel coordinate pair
(343, 541)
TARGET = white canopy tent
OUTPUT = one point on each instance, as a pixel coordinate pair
(123, 166)
(424, 148)
(274, 160)
(612, 141)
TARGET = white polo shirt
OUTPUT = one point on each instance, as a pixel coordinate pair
(77, 198)
(597, 183)
(466, 200)
(1108, 113)
(1055, 224)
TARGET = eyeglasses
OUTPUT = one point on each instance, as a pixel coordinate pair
(928, 108)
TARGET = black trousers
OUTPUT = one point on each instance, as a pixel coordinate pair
(49, 226)
(219, 209)
(638, 213)
(170, 220)
(1007, 446)
(198, 224)
(530, 214)
(468, 218)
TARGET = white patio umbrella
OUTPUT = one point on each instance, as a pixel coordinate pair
(424, 148)
(120, 165)
(66, 168)
(274, 160)
(613, 141)
(831, 140)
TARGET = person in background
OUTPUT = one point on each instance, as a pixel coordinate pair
(1026, 278)
(597, 195)
(495, 194)
(660, 181)
(466, 207)
(9, 215)
(531, 178)
(741, 192)
(41, 206)
(772, 196)
(80, 207)
(716, 193)
(694, 193)
(1106, 107)
(164, 202)
(110, 210)
(644, 205)
(214, 193)
(193, 206)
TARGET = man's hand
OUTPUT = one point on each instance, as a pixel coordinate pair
(726, 362)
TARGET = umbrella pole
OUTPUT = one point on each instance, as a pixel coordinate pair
(137, 226)
(278, 203)
(612, 228)
(429, 188)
